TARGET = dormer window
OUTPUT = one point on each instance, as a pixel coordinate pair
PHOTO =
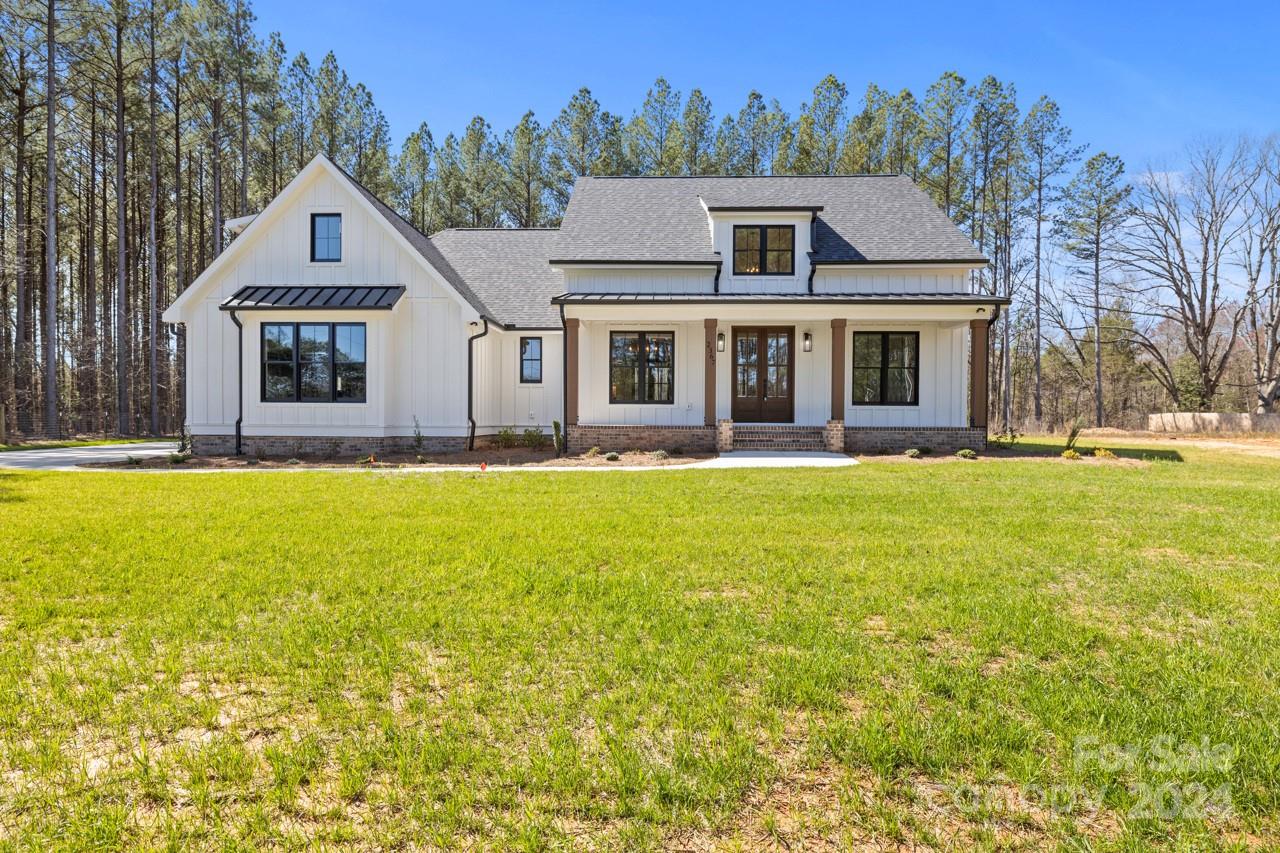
(764, 250)
(326, 238)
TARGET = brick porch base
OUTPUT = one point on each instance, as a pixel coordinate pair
(623, 437)
(898, 439)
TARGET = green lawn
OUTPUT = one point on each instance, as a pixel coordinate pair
(944, 654)
(73, 442)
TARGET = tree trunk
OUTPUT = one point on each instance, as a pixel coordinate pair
(1039, 410)
(123, 423)
(22, 358)
(51, 232)
(1097, 328)
(153, 279)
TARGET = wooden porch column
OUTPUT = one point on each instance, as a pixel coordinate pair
(571, 371)
(837, 369)
(709, 374)
(979, 355)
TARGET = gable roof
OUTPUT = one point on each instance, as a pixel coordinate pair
(873, 219)
(411, 239)
(508, 269)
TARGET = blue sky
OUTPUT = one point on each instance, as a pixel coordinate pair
(1136, 79)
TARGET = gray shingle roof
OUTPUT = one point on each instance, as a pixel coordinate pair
(864, 219)
(508, 269)
(314, 298)
(421, 243)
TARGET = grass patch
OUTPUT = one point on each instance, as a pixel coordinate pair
(73, 442)
(890, 654)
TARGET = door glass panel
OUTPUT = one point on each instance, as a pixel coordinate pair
(778, 380)
(746, 361)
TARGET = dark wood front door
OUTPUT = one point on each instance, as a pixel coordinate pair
(763, 374)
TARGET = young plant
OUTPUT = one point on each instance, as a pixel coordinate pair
(418, 439)
(612, 456)
(1070, 453)
(534, 439)
(557, 437)
(913, 453)
(507, 437)
(967, 453)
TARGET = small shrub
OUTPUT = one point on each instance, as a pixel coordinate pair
(178, 458)
(1005, 439)
(533, 439)
(1103, 453)
(595, 451)
(507, 437)
(132, 460)
(418, 439)
(557, 437)
(368, 460)
(293, 461)
(967, 453)
(1070, 453)
(1074, 435)
(612, 456)
(422, 460)
(661, 454)
(912, 453)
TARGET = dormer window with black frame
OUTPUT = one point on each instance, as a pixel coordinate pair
(326, 238)
(764, 250)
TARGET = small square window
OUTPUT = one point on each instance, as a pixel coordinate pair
(530, 360)
(326, 237)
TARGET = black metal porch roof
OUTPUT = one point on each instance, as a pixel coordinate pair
(371, 297)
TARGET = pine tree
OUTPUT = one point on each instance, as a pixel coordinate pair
(1049, 151)
(653, 136)
(1093, 209)
(413, 179)
(525, 178)
(944, 118)
(697, 136)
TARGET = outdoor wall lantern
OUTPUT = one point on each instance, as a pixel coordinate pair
(719, 341)
(807, 342)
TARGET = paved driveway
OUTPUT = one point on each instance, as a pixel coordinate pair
(67, 458)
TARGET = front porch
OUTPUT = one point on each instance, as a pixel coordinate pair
(649, 376)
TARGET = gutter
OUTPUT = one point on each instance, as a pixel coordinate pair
(239, 378)
(471, 391)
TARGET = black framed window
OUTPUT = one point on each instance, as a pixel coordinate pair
(886, 369)
(530, 360)
(642, 367)
(764, 250)
(326, 237)
(314, 363)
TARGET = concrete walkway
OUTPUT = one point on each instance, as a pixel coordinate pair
(67, 458)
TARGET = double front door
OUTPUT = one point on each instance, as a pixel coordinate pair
(763, 374)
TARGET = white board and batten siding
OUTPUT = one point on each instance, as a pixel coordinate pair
(415, 353)
(722, 242)
(593, 377)
(847, 281)
(657, 281)
(944, 379)
(501, 399)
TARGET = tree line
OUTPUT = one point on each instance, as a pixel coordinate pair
(134, 130)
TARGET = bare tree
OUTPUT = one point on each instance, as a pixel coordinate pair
(51, 226)
(1183, 232)
(1260, 258)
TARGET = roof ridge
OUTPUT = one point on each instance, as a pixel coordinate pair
(496, 228)
(740, 177)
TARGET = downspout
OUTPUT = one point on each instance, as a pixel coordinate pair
(564, 375)
(239, 379)
(471, 392)
(715, 287)
(813, 248)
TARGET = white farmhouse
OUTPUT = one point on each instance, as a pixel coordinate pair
(696, 313)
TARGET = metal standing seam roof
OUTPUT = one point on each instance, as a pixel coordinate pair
(800, 298)
(314, 298)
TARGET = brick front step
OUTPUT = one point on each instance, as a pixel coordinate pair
(778, 438)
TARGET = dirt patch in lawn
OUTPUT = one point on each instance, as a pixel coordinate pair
(510, 457)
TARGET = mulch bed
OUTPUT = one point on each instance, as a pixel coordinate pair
(517, 457)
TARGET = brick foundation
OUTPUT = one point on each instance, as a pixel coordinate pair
(625, 437)
(325, 446)
(898, 439)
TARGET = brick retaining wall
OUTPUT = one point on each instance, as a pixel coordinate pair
(621, 438)
(898, 439)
